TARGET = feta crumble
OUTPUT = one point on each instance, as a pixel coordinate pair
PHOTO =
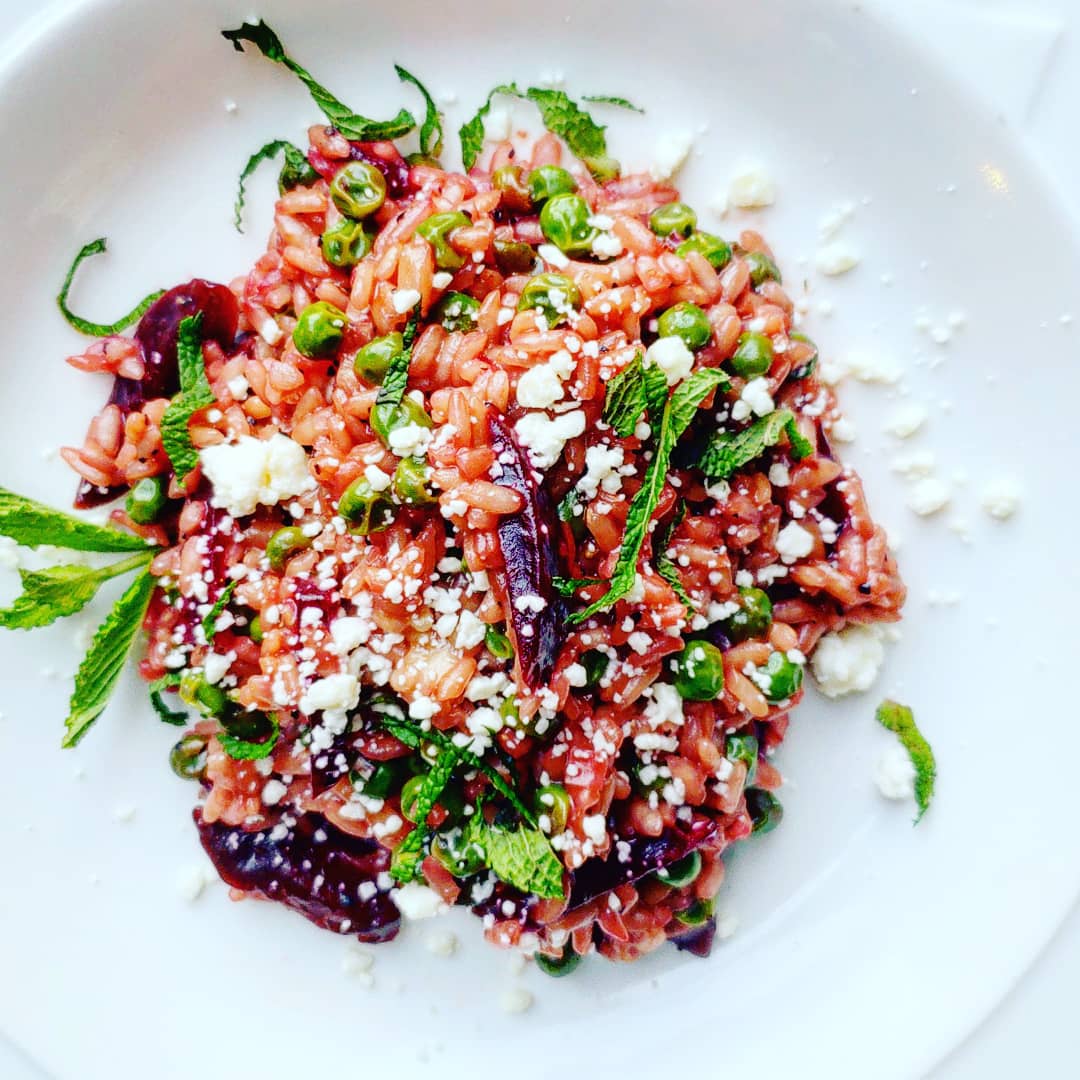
(672, 150)
(672, 357)
(752, 188)
(848, 660)
(252, 471)
(895, 773)
(1001, 497)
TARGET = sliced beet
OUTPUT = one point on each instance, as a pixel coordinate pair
(645, 856)
(156, 335)
(314, 868)
(529, 544)
(698, 940)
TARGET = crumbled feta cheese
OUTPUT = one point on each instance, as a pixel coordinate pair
(516, 1000)
(779, 475)
(238, 387)
(348, 633)
(794, 542)
(928, 495)
(412, 440)
(870, 367)
(607, 245)
(672, 150)
(441, 279)
(602, 465)
(544, 436)
(906, 419)
(335, 693)
(755, 398)
(539, 387)
(752, 188)
(918, 463)
(498, 122)
(423, 708)
(895, 773)
(671, 355)
(441, 943)
(848, 660)
(486, 687)
(836, 258)
(576, 675)
(1001, 497)
(470, 631)
(639, 641)
(252, 471)
(191, 881)
(595, 827)
(416, 901)
(376, 478)
(666, 706)
(553, 256)
(216, 666)
(273, 792)
(403, 300)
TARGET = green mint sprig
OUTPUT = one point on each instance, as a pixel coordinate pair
(85, 326)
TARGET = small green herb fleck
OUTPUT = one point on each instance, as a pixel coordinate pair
(900, 720)
(397, 373)
(84, 326)
(195, 394)
(220, 604)
(175, 717)
(611, 99)
(101, 667)
(350, 124)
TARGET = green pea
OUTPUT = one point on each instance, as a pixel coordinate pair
(498, 644)
(764, 809)
(602, 167)
(195, 691)
(146, 499)
(510, 180)
(697, 914)
(188, 757)
(255, 630)
(554, 295)
(437, 231)
(699, 671)
(762, 268)
(682, 873)
(387, 418)
(675, 217)
(546, 181)
(717, 251)
(553, 801)
(743, 748)
(514, 257)
(285, 543)
(558, 966)
(380, 779)
(564, 220)
(409, 794)
(319, 329)
(754, 617)
(595, 664)
(409, 483)
(456, 311)
(460, 858)
(358, 190)
(346, 243)
(780, 678)
(373, 359)
(686, 321)
(808, 366)
(367, 510)
(753, 355)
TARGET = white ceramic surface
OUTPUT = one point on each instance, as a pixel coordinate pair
(866, 947)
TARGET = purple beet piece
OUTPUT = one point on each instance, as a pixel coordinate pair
(156, 334)
(528, 541)
(646, 855)
(395, 170)
(698, 940)
(315, 869)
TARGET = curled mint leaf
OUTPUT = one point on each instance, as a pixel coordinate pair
(85, 326)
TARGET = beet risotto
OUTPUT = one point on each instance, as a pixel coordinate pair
(483, 532)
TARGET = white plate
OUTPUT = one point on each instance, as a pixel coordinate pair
(866, 948)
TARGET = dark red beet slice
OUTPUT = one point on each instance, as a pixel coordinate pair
(699, 940)
(315, 869)
(384, 156)
(646, 855)
(528, 541)
(156, 334)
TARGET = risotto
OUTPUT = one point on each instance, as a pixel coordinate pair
(488, 524)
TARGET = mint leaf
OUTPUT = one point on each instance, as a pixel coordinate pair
(350, 124)
(728, 452)
(195, 394)
(522, 857)
(407, 857)
(431, 134)
(664, 566)
(84, 326)
(244, 750)
(413, 737)
(901, 720)
(220, 604)
(104, 661)
(175, 717)
(624, 400)
(59, 591)
(679, 411)
(572, 124)
(610, 99)
(801, 447)
(569, 586)
(656, 393)
(471, 132)
(397, 374)
(295, 172)
(32, 524)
